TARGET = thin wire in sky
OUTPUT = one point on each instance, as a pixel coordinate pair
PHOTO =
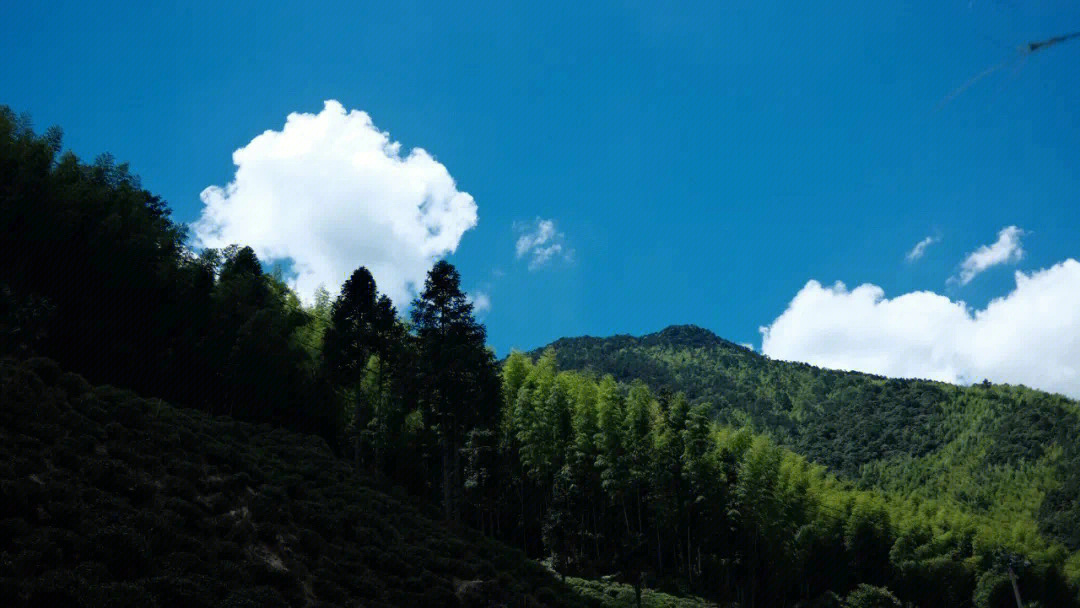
(1021, 55)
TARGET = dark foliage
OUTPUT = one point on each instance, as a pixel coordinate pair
(95, 275)
(107, 499)
(459, 382)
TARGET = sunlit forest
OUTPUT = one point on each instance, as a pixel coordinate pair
(179, 429)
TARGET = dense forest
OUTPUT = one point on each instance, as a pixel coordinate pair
(677, 461)
(1004, 454)
(648, 483)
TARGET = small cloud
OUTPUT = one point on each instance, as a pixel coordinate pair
(481, 301)
(541, 242)
(747, 346)
(920, 248)
(1003, 251)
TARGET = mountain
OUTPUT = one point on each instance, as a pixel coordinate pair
(352, 433)
(107, 499)
(1008, 453)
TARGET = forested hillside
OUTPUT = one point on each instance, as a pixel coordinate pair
(112, 500)
(1005, 453)
(698, 468)
(619, 476)
(95, 275)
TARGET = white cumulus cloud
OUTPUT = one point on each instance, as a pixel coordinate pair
(332, 192)
(1030, 336)
(1006, 249)
(541, 242)
(920, 248)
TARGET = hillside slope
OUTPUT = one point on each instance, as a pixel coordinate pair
(1001, 451)
(107, 499)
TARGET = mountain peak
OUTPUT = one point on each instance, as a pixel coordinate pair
(577, 351)
(685, 335)
(689, 336)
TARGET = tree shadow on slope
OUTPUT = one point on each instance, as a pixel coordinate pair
(107, 499)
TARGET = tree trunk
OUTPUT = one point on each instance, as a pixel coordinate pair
(659, 551)
(447, 490)
(596, 533)
(356, 450)
(1016, 588)
(639, 528)
(689, 555)
(524, 538)
(455, 480)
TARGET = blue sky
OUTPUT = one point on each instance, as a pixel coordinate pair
(702, 162)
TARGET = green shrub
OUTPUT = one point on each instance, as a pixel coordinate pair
(994, 590)
(868, 596)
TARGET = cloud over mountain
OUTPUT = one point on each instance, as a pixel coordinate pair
(1030, 336)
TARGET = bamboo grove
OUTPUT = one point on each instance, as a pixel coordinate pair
(616, 479)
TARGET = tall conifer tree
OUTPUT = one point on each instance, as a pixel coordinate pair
(460, 378)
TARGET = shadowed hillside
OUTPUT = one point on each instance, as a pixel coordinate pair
(112, 500)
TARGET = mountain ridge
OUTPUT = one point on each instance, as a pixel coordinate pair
(678, 333)
(994, 449)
